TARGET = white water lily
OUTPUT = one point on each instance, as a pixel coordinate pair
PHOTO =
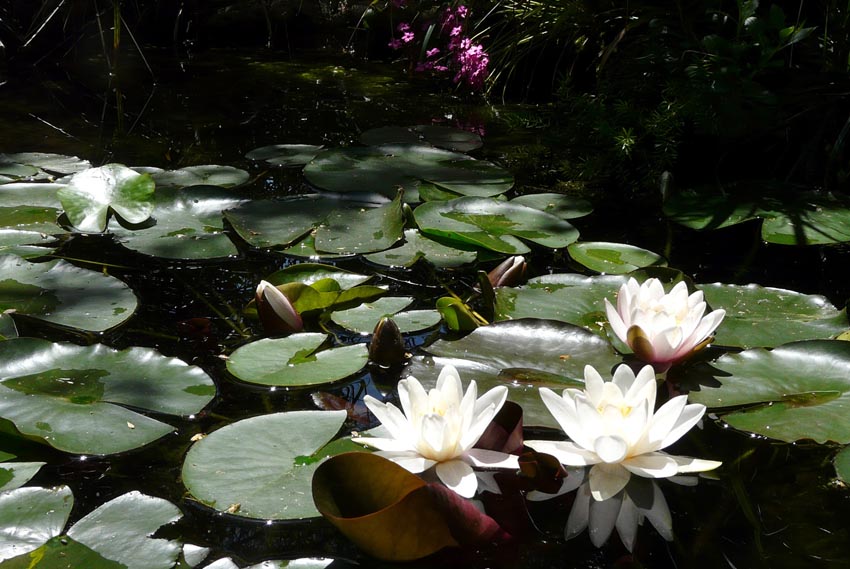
(662, 328)
(614, 427)
(440, 427)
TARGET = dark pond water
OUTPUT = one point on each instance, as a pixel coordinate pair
(771, 505)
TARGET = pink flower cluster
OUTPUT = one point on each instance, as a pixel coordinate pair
(467, 59)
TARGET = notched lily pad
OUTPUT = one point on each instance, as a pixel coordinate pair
(285, 154)
(262, 467)
(78, 398)
(417, 246)
(206, 175)
(614, 258)
(91, 194)
(559, 205)
(365, 317)
(295, 362)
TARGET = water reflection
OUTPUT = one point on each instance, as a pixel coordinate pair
(642, 499)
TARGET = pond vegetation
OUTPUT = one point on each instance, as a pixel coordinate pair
(225, 274)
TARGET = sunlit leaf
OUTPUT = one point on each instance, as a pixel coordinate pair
(417, 246)
(16, 474)
(285, 154)
(90, 194)
(29, 517)
(365, 317)
(261, 467)
(559, 205)
(309, 273)
(613, 258)
(206, 175)
(363, 230)
(56, 163)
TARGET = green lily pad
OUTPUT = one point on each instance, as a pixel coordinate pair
(791, 216)
(206, 175)
(365, 317)
(764, 317)
(60, 293)
(7, 327)
(261, 467)
(16, 474)
(362, 230)
(25, 244)
(310, 273)
(57, 163)
(306, 248)
(614, 258)
(440, 136)
(559, 205)
(386, 169)
(802, 390)
(842, 465)
(90, 194)
(294, 362)
(187, 225)
(417, 246)
(73, 397)
(114, 536)
(571, 298)
(30, 207)
(285, 154)
(32, 516)
(13, 171)
(523, 355)
(493, 224)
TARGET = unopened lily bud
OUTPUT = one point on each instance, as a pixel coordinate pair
(511, 271)
(276, 312)
(387, 346)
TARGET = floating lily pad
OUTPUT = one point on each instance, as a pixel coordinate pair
(764, 317)
(842, 464)
(614, 258)
(30, 207)
(306, 248)
(114, 536)
(493, 224)
(285, 154)
(56, 163)
(294, 362)
(73, 397)
(7, 327)
(261, 467)
(363, 230)
(559, 205)
(572, 298)
(32, 516)
(523, 355)
(791, 216)
(441, 136)
(417, 246)
(187, 224)
(365, 317)
(206, 175)
(801, 390)
(386, 169)
(16, 474)
(310, 273)
(61, 293)
(26, 244)
(91, 194)
(12, 171)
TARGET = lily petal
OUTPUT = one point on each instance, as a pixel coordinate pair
(606, 480)
(458, 476)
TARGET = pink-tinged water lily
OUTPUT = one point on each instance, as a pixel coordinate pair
(662, 328)
(614, 427)
(276, 312)
(509, 272)
(440, 427)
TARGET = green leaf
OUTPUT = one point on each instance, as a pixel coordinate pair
(310, 273)
(32, 516)
(457, 314)
(440, 136)
(363, 230)
(120, 530)
(493, 224)
(294, 362)
(7, 327)
(559, 205)
(187, 225)
(25, 244)
(30, 207)
(206, 175)
(842, 464)
(61, 293)
(62, 553)
(91, 193)
(57, 163)
(73, 397)
(252, 468)
(614, 258)
(365, 317)
(285, 154)
(388, 168)
(417, 246)
(16, 474)
(802, 390)
(764, 317)
(522, 355)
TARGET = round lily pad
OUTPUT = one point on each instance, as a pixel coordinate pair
(559, 205)
(26, 206)
(614, 258)
(16, 474)
(310, 273)
(91, 194)
(56, 163)
(436, 135)
(186, 224)
(26, 244)
(74, 397)
(12, 171)
(842, 464)
(285, 154)
(32, 516)
(796, 391)
(523, 355)
(295, 362)
(385, 169)
(759, 316)
(206, 175)
(417, 246)
(365, 317)
(61, 293)
(493, 224)
(261, 467)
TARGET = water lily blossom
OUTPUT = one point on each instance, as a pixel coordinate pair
(615, 429)
(276, 312)
(662, 328)
(439, 428)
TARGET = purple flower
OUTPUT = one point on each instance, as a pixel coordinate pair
(462, 11)
(407, 37)
(395, 43)
(432, 52)
(403, 27)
